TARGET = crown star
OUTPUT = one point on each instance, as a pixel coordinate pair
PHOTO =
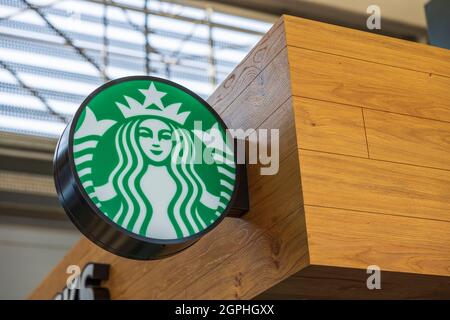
(152, 96)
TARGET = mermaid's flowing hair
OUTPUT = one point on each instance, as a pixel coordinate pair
(135, 210)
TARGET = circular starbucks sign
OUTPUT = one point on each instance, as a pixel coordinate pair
(145, 167)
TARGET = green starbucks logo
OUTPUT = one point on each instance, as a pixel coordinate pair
(152, 158)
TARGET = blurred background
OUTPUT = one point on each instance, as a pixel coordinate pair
(53, 53)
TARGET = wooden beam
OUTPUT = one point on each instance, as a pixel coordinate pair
(324, 282)
(363, 177)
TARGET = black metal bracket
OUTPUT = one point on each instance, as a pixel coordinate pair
(241, 204)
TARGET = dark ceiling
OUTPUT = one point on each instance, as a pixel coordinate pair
(327, 14)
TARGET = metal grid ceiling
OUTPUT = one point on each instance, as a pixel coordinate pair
(54, 53)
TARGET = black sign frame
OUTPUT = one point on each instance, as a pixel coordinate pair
(86, 216)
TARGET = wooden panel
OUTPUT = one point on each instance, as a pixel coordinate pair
(322, 282)
(366, 46)
(260, 99)
(330, 127)
(408, 139)
(280, 120)
(344, 80)
(374, 186)
(266, 109)
(273, 197)
(261, 55)
(358, 239)
(273, 257)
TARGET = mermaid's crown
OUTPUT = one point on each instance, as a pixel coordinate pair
(152, 97)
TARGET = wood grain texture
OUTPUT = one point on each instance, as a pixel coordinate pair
(274, 197)
(326, 126)
(258, 58)
(280, 120)
(358, 96)
(267, 106)
(408, 139)
(345, 80)
(323, 282)
(352, 239)
(276, 255)
(374, 186)
(260, 99)
(367, 46)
